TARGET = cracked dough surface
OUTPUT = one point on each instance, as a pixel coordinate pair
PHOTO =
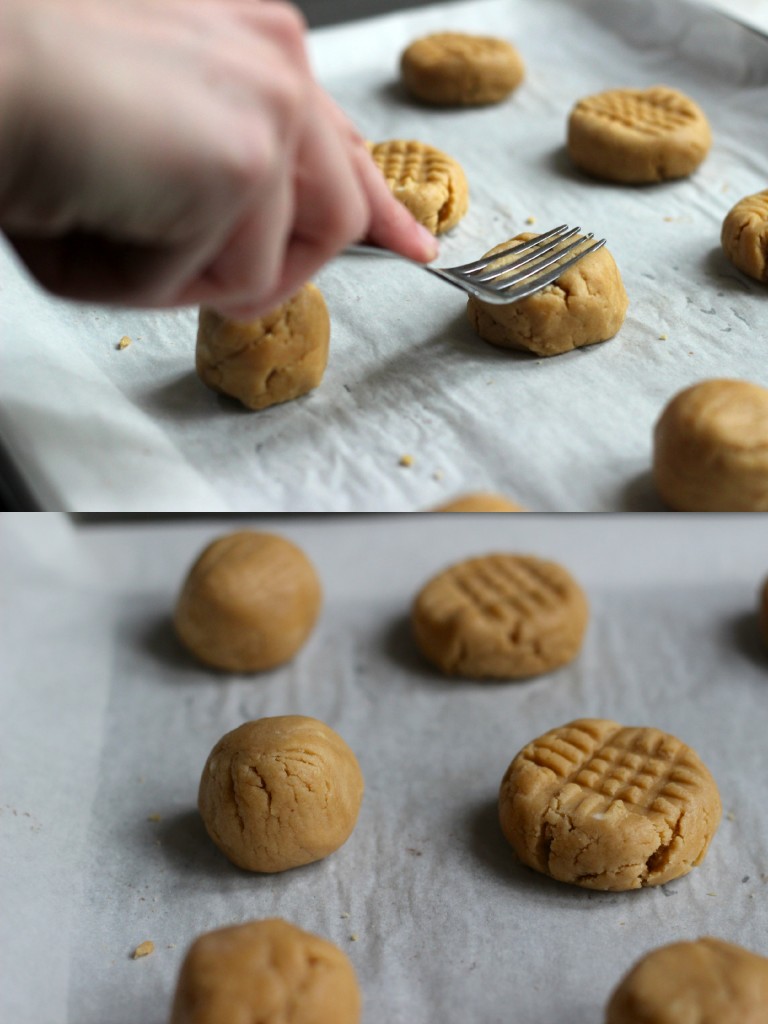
(280, 792)
(248, 603)
(609, 807)
(280, 356)
(710, 448)
(500, 616)
(744, 235)
(638, 136)
(428, 182)
(459, 69)
(586, 304)
(265, 972)
(703, 982)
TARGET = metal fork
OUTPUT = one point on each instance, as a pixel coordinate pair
(533, 265)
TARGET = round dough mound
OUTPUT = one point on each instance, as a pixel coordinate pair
(707, 982)
(457, 69)
(710, 451)
(248, 603)
(500, 617)
(480, 502)
(267, 971)
(585, 305)
(638, 136)
(263, 362)
(745, 235)
(609, 807)
(428, 182)
(280, 792)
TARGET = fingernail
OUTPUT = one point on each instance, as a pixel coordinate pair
(428, 241)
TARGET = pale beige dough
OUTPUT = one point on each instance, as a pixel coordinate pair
(609, 807)
(480, 502)
(459, 69)
(248, 603)
(500, 616)
(638, 136)
(431, 184)
(703, 982)
(710, 448)
(585, 305)
(265, 972)
(280, 356)
(744, 235)
(277, 793)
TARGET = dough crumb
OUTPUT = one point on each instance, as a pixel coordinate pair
(353, 938)
(405, 460)
(124, 342)
(530, 220)
(663, 337)
(144, 949)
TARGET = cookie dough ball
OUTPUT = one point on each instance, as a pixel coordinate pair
(248, 603)
(267, 971)
(280, 792)
(500, 616)
(280, 356)
(457, 69)
(638, 136)
(431, 184)
(586, 304)
(745, 235)
(702, 982)
(480, 502)
(710, 448)
(609, 807)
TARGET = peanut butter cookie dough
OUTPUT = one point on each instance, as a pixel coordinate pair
(703, 982)
(710, 448)
(638, 136)
(280, 792)
(744, 235)
(500, 616)
(263, 362)
(248, 603)
(609, 807)
(268, 971)
(480, 502)
(585, 305)
(431, 184)
(458, 69)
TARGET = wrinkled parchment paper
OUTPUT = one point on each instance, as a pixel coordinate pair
(97, 429)
(106, 725)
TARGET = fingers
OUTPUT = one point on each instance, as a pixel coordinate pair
(390, 224)
(329, 209)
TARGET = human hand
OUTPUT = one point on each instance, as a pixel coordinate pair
(162, 152)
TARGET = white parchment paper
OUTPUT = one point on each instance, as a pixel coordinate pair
(95, 429)
(106, 725)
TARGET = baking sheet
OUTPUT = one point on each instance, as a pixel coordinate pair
(95, 429)
(106, 725)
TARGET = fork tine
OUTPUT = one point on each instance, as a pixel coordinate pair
(510, 268)
(534, 267)
(481, 264)
(541, 281)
